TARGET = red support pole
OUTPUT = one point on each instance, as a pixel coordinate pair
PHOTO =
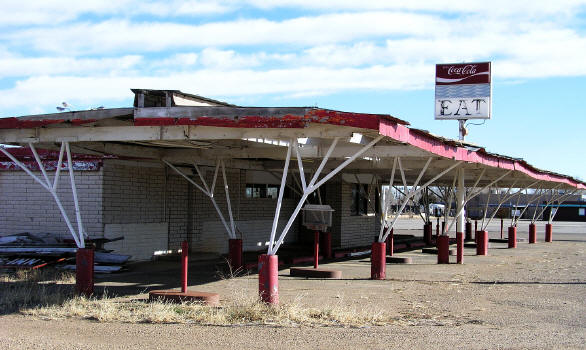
(532, 233)
(548, 232)
(482, 243)
(512, 237)
(235, 254)
(475, 226)
(326, 245)
(84, 271)
(443, 249)
(268, 278)
(184, 261)
(468, 231)
(316, 249)
(502, 228)
(378, 261)
(460, 247)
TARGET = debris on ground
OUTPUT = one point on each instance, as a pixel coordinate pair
(33, 251)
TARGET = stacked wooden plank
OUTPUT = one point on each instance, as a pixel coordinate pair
(33, 251)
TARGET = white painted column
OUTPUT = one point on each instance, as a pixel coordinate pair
(461, 201)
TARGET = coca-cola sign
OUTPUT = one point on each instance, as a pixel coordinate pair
(463, 73)
(462, 91)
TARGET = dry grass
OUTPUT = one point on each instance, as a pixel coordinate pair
(50, 295)
(32, 288)
(230, 313)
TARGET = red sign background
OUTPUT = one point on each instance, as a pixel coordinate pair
(463, 73)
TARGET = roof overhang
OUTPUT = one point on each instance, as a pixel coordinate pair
(256, 137)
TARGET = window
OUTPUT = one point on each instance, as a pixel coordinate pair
(265, 191)
(581, 211)
(359, 200)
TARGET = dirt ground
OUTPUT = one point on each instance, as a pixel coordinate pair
(532, 297)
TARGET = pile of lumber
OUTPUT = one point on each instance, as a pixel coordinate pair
(34, 251)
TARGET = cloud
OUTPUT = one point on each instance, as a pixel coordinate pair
(121, 35)
(94, 90)
(42, 12)
(18, 66)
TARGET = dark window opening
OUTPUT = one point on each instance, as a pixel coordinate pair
(359, 200)
(265, 191)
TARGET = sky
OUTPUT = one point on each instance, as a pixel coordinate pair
(374, 56)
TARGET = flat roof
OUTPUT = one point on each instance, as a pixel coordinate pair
(257, 135)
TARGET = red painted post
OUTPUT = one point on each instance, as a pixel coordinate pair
(427, 233)
(460, 247)
(502, 228)
(184, 261)
(315, 249)
(235, 254)
(84, 271)
(443, 249)
(475, 226)
(548, 232)
(378, 261)
(268, 278)
(482, 243)
(532, 233)
(512, 237)
(468, 231)
(326, 245)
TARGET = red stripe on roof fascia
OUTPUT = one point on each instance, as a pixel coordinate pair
(17, 123)
(441, 148)
(320, 116)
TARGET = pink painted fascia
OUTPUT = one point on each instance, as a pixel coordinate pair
(437, 146)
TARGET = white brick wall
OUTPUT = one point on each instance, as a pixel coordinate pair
(25, 206)
(140, 240)
(158, 209)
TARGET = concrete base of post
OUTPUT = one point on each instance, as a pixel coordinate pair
(532, 233)
(512, 237)
(443, 249)
(481, 242)
(175, 296)
(378, 261)
(468, 231)
(268, 278)
(235, 254)
(548, 233)
(84, 271)
(460, 247)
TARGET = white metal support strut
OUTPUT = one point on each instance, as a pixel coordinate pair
(313, 185)
(535, 196)
(553, 198)
(78, 235)
(471, 195)
(413, 192)
(231, 230)
(552, 214)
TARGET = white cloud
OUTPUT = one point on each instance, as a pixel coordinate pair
(37, 12)
(118, 35)
(18, 66)
(49, 90)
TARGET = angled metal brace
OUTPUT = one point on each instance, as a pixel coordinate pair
(78, 235)
(313, 185)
